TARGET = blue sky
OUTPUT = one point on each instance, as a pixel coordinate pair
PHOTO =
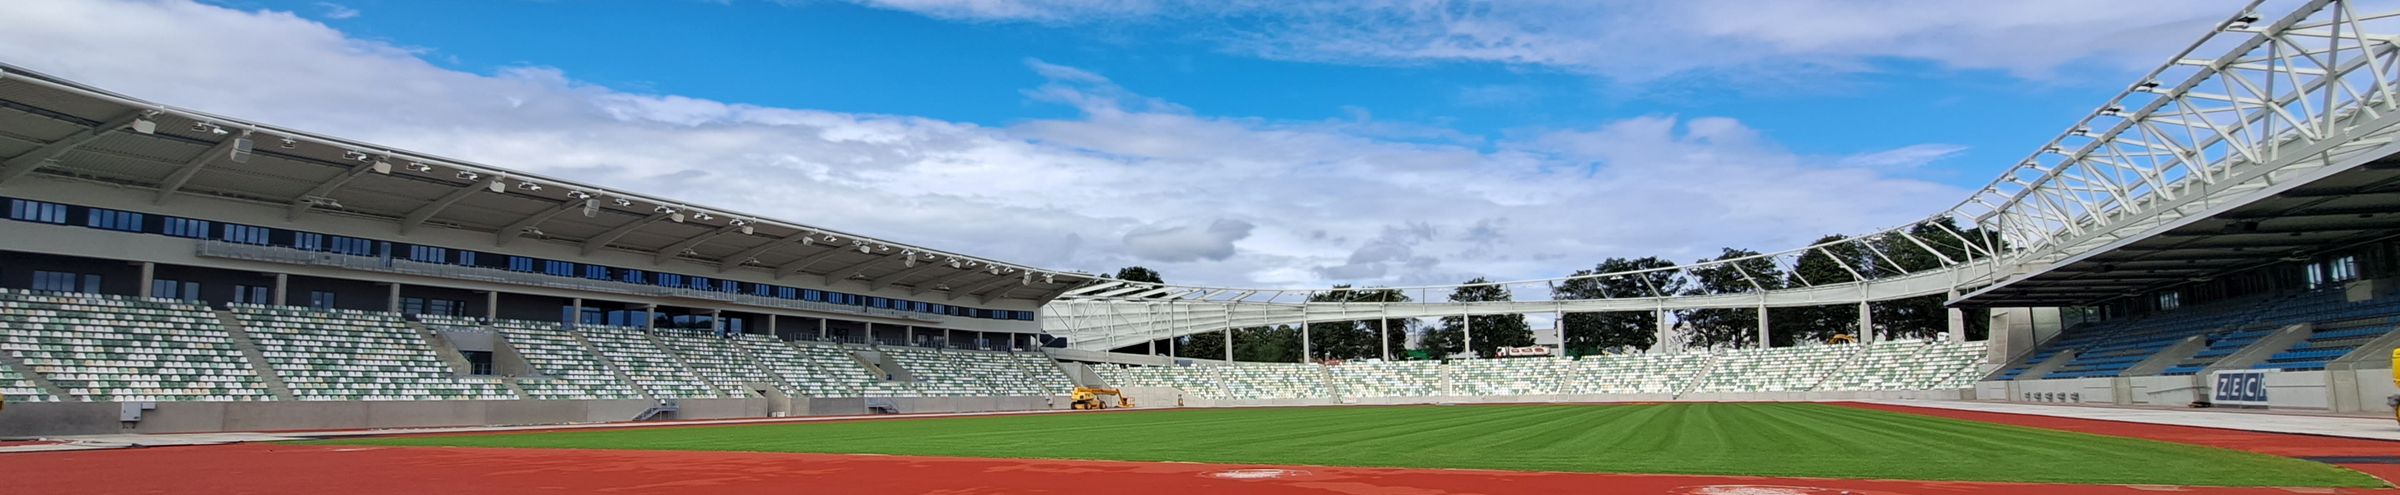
(853, 58)
(1233, 142)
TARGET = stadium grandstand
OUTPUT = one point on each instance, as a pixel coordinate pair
(172, 271)
(170, 257)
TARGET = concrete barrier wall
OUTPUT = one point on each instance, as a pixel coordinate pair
(2299, 390)
(2164, 390)
(2351, 391)
(1956, 394)
(2077, 390)
(89, 418)
(2374, 386)
(1993, 391)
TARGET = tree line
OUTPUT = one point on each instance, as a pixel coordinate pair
(1924, 247)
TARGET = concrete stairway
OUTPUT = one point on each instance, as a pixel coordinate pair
(613, 369)
(258, 360)
(38, 380)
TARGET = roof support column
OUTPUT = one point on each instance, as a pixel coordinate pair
(1957, 331)
(391, 300)
(149, 278)
(1762, 328)
(283, 286)
(491, 306)
(1661, 344)
(1383, 335)
(1228, 332)
(1304, 349)
(821, 333)
(1467, 331)
(576, 319)
(1866, 324)
(1171, 337)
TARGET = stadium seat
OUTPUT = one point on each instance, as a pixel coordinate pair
(1387, 378)
(651, 368)
(324, 354)
(111, 348)
(1506, 376)
(568, 371)
(1648, 373)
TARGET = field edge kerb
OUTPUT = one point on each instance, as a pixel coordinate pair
(1793, 440)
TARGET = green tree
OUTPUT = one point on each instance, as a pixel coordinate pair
(1203, 345)
(1278, 344)
(1355, 339)
(1139, 274)
(1590, 333)
(1491, 331)
(1924, 247)
(1728, 327)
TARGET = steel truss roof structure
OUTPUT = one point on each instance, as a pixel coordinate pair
(2266, 126)
(65, 130)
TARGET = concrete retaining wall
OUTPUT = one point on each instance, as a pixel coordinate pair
(2342, 391)
(89, 418)
(1139, 393)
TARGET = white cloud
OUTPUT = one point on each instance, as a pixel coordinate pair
(1131, 180)
(1647, 40)
(337, 11)
(1187, 242)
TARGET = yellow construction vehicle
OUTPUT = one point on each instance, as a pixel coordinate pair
(1090, 398)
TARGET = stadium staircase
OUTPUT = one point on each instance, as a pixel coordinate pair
(442, 349)
(2259, 350)
(240, 337)
(18, 382)
(2172, 355)
(693, 372)
(624, 377)
(1698, 375)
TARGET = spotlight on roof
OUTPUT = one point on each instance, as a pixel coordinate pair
(1049, 278)
(242, 147)
(659, 209)
(355, 155)
(578, 194)
(532, 231)
(420, 167)
(2112, 111)
(144, 124)
(286, 143)
(702, 216)
(2146, 87)
(529, 186)
(624, 203)
(465, 175)
(2241, 23)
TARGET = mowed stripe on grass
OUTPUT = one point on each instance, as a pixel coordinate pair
(1779, 440)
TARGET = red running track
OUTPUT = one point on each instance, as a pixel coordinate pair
(304, 469)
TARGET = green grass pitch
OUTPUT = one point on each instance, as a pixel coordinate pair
(1782, 440)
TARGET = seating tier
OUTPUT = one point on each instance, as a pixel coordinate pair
(326, 354)
(109, 348)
